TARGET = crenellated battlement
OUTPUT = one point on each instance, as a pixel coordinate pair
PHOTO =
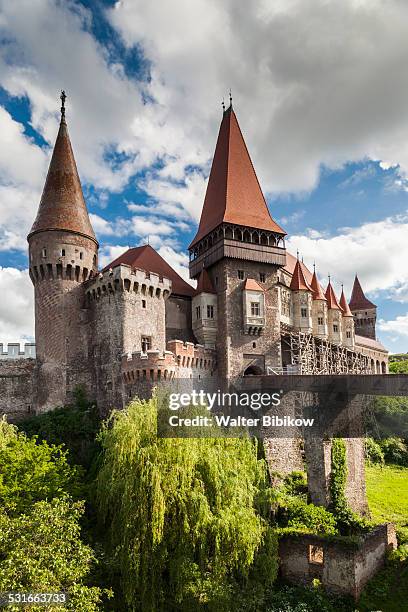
(126, 279)
(13, 350)
(168, 365)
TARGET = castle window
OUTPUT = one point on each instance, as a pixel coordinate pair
(146, 344)
(241, 274)
(143, 303)
(255, 310)
(62, 252)
(44, 253)
(198, 312)
(303, 313)
(316, 554)
(81, 255)
(210, 311)
(262, 277)
(348, 334)
(335, 328)
(320, 320)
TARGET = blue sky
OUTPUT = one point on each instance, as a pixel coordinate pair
(321, 96)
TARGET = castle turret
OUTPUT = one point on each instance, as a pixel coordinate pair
(63, 253)
(364, 312)
(204, 311)
(319, 309)
(348, 335)
(238, 240)
(334, 316)
(301, 300)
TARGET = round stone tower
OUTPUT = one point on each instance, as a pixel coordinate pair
(63, 254)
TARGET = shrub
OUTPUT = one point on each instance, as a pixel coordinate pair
(395, 451)
(299, 515)
(373, 451)
(31, 471)
(41, 550)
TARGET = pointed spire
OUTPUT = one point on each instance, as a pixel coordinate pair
(343, 304)
(204, 284)
(358, 300)
(299, 282)
(316, 287)
(62, 206)
(233, 191)
(332, 302)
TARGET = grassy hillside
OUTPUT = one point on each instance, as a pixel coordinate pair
(387, 492)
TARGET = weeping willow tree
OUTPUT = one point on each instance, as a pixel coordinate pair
(184, 517)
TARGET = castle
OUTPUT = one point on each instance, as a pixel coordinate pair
(256, 309)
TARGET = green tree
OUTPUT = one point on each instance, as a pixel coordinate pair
(31, 471)
(41, 551)
(399, 367)
(184, 516)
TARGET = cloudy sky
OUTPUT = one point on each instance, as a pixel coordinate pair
(320, 88)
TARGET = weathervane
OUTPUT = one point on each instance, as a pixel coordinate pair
(63, 97)
(230, 97)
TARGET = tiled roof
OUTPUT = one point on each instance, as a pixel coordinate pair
(290, 267)
(146, 258)
(204, 284)
(344, 306)
(318, 293)
(233, 191)
(299, 282)
(251, 285)
(62, 205)
(358, 299)
(332, 302)
(370, 343)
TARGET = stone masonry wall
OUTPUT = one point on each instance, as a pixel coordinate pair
(342, 567)
(17, 388)
(234, 348)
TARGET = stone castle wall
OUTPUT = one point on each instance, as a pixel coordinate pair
(235, 349)
(17, 388)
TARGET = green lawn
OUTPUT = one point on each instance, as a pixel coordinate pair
(387, 492)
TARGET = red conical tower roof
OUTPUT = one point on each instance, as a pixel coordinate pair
(332, 302)
(317, 288)
(344, 306)
(204, 284)
(299, 282)
(233, 191)
(358, 299)
(62, 205)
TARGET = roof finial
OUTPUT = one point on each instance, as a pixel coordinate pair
(63, 97)
(223, 105)
(230, 97)
(297, 254)
(329, 277)
(314, 266)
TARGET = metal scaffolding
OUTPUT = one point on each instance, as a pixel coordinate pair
(311, 355)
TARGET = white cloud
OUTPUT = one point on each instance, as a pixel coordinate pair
(396, 327)
(110, 252)
(22, 168)
(16, 306)
(311, 78)
(377, 252)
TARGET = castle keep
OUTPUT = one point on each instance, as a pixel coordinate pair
(256, 309)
